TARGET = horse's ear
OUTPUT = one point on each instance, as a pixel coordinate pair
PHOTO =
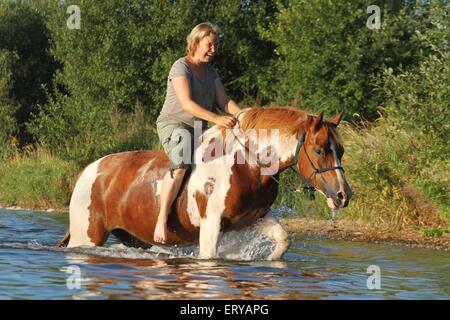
(336, 119)
(317, 122)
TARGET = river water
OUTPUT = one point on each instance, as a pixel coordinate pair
(31, 268)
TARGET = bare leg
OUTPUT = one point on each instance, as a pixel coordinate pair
(169, 190)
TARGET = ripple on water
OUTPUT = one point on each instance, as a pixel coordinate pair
(31, 268)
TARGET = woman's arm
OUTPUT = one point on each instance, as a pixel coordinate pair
(183, 92)
(223, 100)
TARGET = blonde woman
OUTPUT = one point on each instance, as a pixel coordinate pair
(192, 88)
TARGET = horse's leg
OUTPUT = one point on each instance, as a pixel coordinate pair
(209, 235)
(272, 229)
(95, 235)
(86, 228)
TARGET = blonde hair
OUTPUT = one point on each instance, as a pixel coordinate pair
(199, 32)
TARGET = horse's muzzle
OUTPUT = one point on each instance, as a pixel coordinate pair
(343, 198)
(339, 200)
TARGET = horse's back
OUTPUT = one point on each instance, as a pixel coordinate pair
(121, 170)
(117, 191)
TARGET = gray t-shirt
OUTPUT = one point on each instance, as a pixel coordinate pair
(202, 92)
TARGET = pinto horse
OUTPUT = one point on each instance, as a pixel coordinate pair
(119, 193)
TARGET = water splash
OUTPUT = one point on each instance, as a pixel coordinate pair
(283, 211)
(243, 245)
(124, 252)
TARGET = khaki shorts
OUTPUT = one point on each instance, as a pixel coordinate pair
(178, 143)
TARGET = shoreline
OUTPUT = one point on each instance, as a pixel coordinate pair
(18, 208)
(340, 229)
(359, 231)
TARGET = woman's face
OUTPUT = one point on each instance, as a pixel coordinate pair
(207, 48)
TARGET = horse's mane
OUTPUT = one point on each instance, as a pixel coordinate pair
(288, 120)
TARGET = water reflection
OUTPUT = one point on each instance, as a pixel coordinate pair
(31, 268)
(174, 278)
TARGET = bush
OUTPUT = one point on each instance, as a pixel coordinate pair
(8, 123)
(84, 137)
(24, 45)
(329, 60)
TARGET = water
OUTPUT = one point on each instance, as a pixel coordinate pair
(31, 268)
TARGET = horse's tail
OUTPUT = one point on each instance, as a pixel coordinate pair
(65, 241)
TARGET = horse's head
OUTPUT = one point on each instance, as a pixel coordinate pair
(319, 160)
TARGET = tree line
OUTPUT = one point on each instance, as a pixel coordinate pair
(83, 92)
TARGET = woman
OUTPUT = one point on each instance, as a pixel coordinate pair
(192, 88)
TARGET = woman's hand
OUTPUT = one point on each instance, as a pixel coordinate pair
(225, 121)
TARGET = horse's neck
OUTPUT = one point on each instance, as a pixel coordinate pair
(278, 146)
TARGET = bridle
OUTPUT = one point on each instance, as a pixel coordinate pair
(307, 186)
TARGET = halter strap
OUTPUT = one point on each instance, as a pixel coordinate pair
(307, 184)
(300, 143)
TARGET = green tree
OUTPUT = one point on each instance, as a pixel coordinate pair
(244, 59)
(121, 56)
(116, 60)
(8, 123)
(328, 59)
(23, 35)
(418, 98)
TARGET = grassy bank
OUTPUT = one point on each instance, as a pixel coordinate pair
(36, 179)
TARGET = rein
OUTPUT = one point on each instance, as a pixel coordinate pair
(307, 186)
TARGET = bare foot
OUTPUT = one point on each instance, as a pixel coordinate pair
(159, 235)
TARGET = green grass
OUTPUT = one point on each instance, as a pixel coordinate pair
(396, 177)
(431, 232)
(36, 179)
(392, 177)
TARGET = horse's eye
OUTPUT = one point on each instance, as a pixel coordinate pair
(319, 152)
